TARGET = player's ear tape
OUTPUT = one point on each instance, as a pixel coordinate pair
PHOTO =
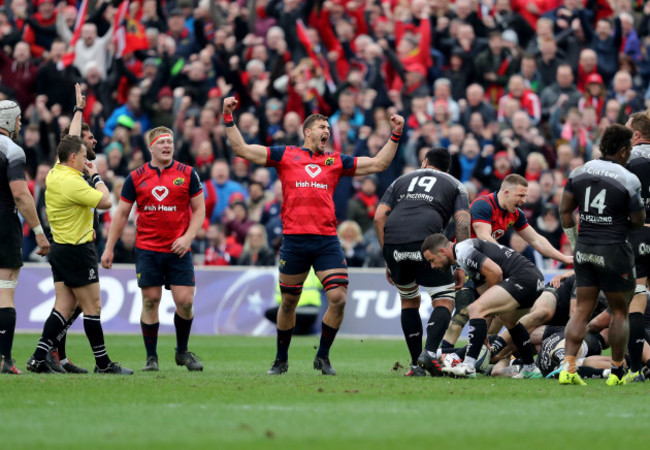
(295, 289)
(334, 280)
(408, 291)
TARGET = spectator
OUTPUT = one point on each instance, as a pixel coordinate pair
(351, 240)
(562, 94)
(89, 46)
(237, 221)
(361, 208)
(256, 250)
(476, 103)
(57, 82)
(125, 246)
(494, 67)
(131, 109)
(40, 30)
(223, 251)
(19, 74)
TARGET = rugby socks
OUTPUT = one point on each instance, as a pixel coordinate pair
(521, 339)
(497, 345)
(7, 329)
(61, 338)
(326, 340)
(95, 334)
(283, 341)
(446, 346)
(436, 328)
(635, 342)
(618, 369)
(590, 372)
(570, 364)
(54, 325)
(150, 337)
(477, 334)
(183, 328)
(412, 328)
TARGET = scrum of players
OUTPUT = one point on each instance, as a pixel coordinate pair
(570, 321)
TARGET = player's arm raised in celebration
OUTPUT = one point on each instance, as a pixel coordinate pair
(253, 153)
(77, 116)
(381, 161)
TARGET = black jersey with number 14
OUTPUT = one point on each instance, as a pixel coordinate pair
(606, 193)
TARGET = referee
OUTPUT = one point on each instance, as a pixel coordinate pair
(69, 203)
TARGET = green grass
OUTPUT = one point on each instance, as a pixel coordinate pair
(234, 405)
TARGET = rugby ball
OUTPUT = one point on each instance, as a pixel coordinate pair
(483, 360)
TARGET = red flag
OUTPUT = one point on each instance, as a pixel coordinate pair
(119, 33)
(68, 58)
(303, 37)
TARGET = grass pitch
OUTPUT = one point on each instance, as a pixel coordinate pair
(233, 404)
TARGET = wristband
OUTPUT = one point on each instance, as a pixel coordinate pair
(228, 119)
(395, 136)
(38, 229)
(76, 108)
(96, 179)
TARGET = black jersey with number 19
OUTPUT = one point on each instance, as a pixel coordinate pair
(422, 202)
(639, 165)
(606, 194)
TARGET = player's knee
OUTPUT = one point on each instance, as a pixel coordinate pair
(337, 299)
(150, 303)
(464, 298)
(289, 303)
(334, 281)
(185, 305)
(409, 295)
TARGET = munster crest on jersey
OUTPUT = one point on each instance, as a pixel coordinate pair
(179, 181)
(329, 161)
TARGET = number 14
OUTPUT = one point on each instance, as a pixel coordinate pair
(598, 202)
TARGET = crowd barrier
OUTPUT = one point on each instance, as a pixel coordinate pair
(229, 300)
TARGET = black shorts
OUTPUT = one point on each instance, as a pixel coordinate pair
(163, 269)
(299, 252)
(407, 265)
(608, 267)
(563, 296)
(640, 240)
(74, 265)
(11, 242)
(525, 285)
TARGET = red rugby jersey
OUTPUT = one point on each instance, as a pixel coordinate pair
(487, 209)
(308, 184)
(163, 203)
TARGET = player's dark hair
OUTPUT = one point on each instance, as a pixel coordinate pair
(434, 242)
(615, 138)
(440, 158)
(514, 179)
(66, 130)
(640, 122)
(309, 121)
(68, 146)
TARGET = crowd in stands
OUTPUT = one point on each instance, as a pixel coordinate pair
(509, 86)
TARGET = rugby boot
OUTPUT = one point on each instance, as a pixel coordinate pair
(8, 366)
(634, 377)
(570, 378)
(278, 367)
(151, 365)
(189, 360)
(430, 363)
(614, 380)
(462, 370)
(71, 367)
(324, 365)
(114, 368)
(529, 371)
(38, 366)
(416, 371)
(53, 361)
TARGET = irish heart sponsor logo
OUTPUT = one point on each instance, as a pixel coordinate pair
(313, 170)
(160, 192)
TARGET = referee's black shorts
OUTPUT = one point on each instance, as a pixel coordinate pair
(75, 265)
(11, 242)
